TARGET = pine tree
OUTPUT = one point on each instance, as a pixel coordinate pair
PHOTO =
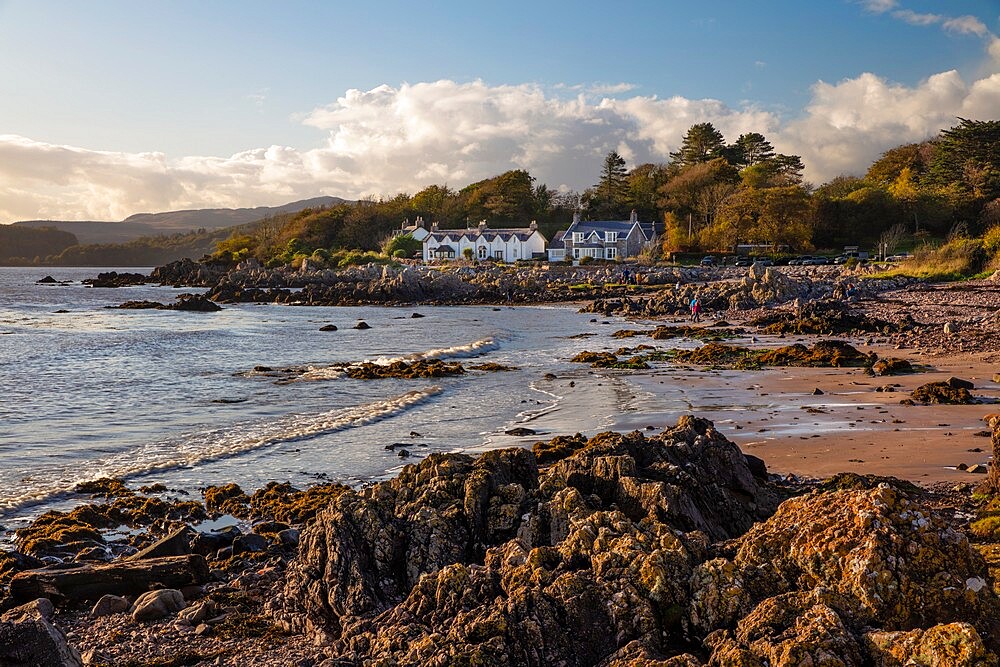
(702, 143)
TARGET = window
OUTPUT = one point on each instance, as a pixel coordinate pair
(515, 253)
(577, 237)
(610, 237)
(576, 253)
(610, 253)
(498, 254)
(482, 252)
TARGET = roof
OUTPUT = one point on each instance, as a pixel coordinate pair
(444, 248)
(620, 226)
(521, 234)
(588, 245)
(557, 241)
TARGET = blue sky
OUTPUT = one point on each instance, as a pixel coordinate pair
(109, 108)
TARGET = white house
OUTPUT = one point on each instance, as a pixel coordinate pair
(416, 230)
(508, 245)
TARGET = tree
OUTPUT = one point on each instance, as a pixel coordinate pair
(612, 185)
(643, 184)
(750, 149)
(702, 143)
(885, 170)
(404, 243)
(969, 154)
(697, 191)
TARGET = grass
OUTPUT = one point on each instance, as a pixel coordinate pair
(957, 259)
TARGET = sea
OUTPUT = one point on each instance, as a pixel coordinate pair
(171, 397)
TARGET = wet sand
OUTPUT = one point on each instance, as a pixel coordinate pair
(775, 415)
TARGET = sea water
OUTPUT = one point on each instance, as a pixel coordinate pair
(87, 391)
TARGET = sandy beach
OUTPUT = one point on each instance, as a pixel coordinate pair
(774, 414)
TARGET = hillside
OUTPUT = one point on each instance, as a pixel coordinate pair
(171, 222)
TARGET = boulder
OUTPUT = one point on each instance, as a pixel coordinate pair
(29, 638)
(947, 644)
(109, 604)
(157, 604)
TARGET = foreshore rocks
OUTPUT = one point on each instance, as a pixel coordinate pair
(115, 279)
(188, 302)
(488, 559)
(631, 550)
(619, 550)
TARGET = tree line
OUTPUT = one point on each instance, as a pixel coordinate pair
(711, 195)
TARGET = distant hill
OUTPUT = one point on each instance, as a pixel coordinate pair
(20, 245)
(171, 222)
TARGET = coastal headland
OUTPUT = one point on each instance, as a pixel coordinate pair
(804, 477)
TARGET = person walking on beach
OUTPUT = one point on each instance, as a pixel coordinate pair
(696, 309)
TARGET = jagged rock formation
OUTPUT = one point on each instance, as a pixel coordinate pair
(664, 550)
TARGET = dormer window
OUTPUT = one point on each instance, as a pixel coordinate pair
(577, 237)
(610, 237)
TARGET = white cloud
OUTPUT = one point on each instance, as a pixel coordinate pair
(913, 18)
(879, 6)
(387, 140)
(966, 25)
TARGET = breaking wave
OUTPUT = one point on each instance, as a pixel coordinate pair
(210, 445)
(474, 349)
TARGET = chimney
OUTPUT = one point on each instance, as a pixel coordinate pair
(482, 225)
(406, 223)
(420, 221)
(533, 226)
(576, 217)
(434, 226)
(634, 218)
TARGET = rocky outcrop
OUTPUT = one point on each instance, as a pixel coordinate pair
(115, 279)
(188, 302)
(634, 550)
(487, 560)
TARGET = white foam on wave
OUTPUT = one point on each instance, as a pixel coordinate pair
(204, 446)
(474, 349)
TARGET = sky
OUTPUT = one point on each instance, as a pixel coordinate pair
(115, 107)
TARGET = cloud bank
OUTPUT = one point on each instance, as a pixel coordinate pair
(393, 139)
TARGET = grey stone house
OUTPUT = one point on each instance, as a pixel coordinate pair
(607, 239)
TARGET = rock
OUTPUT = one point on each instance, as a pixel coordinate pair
(948, 644)
(177, 543)
(891, 366)
(958, 383)
(362, 325)
(978, 469)
(469, 558)
(403, 453)
(198, 612)
(28, 637)
(950, 328)
(878, 557)
(194, 303)
(817, 392)
(157, 604)
(328, 327)
(289, 537)
(47, 280)
(109, 604)
(520, 432)
(251, 543)
(416, 316)
(943, 392)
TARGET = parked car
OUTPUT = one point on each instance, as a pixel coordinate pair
(743, 261)
(801, 260)
(902, 257)
(708, 260)
(816, 261)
